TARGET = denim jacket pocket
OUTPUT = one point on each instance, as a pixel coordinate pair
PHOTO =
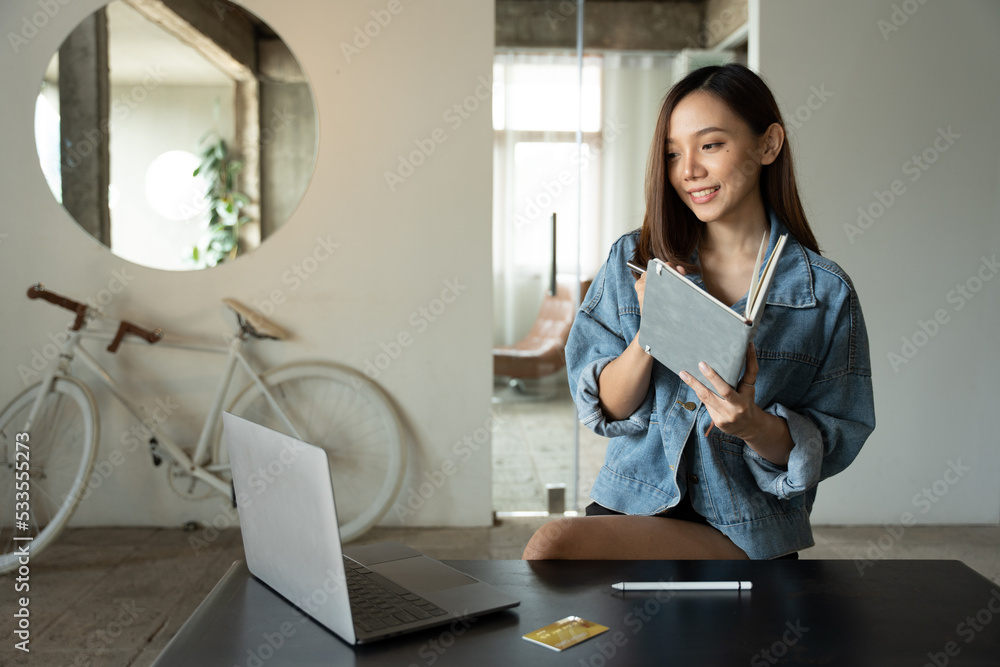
(736, 494)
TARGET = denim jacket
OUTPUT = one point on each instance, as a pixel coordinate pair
(815, 372)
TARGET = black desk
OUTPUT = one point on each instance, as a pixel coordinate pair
(911, 613)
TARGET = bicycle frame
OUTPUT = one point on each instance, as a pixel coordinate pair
(193, 465)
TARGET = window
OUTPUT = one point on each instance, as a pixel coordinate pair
(537, 172)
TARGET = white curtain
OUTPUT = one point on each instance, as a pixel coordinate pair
(634, 87)
(538, 167)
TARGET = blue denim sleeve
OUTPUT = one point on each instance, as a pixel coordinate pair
(595, 340)
(834, 418)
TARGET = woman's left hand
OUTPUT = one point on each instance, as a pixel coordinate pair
(733, 410)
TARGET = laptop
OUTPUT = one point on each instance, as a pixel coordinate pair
(291, 537)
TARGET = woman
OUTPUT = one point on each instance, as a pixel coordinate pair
(689, 474)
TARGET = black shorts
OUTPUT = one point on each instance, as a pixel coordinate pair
(683, 511)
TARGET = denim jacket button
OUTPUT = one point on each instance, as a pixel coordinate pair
(694, 479)
(689, 406)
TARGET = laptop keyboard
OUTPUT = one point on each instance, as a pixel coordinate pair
(378, 603)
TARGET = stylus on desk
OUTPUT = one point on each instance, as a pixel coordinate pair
(682, 586)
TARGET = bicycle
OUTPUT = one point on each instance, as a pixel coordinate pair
(54, 426)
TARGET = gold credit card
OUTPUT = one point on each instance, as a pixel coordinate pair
(565, 633)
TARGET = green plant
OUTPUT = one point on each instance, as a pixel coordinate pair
(219, 168)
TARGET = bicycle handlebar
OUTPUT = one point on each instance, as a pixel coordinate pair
(127, 327)
(38, 291)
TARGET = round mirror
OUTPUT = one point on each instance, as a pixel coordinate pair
(178, 133)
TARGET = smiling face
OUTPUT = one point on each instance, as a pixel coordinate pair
(714, 160)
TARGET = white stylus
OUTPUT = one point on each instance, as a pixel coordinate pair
(682, 585)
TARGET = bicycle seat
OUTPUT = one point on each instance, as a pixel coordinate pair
(256, 324)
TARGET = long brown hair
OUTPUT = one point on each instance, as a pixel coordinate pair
(670, 230)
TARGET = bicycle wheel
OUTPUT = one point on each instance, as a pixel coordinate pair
(343, 412)
(62, 443)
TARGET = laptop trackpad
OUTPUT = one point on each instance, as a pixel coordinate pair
(422, 574)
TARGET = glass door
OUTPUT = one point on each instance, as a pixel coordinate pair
(573, 123)
(547, 126)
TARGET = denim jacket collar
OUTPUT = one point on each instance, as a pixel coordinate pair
(793, 282)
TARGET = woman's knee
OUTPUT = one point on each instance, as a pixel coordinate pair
(552, 540)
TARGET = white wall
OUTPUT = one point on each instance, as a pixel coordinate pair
(397, 250)
(886, 93)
